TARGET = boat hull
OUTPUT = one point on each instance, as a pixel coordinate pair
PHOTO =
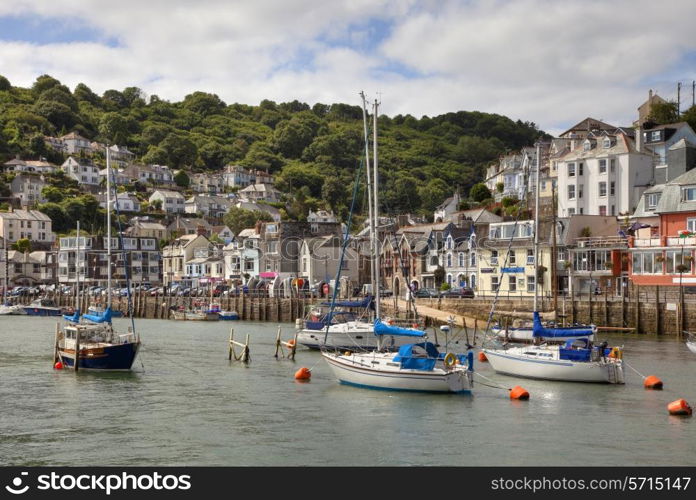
(510, 363)
(15, 310)
(353, 335)
(526, 335)
(691, 346)
(228, 316)
(113, 357)
(42, 311)
(359, 371)
(195, 316)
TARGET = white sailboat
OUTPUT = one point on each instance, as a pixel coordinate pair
(90, 342)
(357, 333)
(577, 360)
(416, 366)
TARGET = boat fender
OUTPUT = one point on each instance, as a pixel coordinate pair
(652, 382)
(615, 353)
(450, 360)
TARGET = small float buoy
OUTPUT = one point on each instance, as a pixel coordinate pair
(518, 392)
(303, 374)
(652, 382)
(58, 366)
(482, 357)
(679, 407)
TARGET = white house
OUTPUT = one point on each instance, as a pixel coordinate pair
(75, 143)
(83, 171)
(178, 253)
(173, 202)
(208, 205)
(603, 175)
(242, 257)
(31, 224)
(125, 202)
(27, 189)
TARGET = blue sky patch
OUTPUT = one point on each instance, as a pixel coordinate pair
(47, 30)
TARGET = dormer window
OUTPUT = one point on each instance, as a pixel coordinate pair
(606, 143)
(689, 194)
(655, 135)
(651, 200)
(586, 146)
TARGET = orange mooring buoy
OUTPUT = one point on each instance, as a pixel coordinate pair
(58, 366)
(303, 374)
(652, 382)
(518, 392)
(679, 407)
(482, 357)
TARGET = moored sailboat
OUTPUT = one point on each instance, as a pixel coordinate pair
(90, 341)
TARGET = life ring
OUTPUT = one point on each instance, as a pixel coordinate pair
(450, 360)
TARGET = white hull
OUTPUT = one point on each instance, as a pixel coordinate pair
(515, 362)
(352, 335)
(195, 316)
(377, 371)
(692, 346)
(526, 335)
(15, 310)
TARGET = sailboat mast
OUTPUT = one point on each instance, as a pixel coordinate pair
(77, 270)
(371, 220)
(7, 269)
(376, 212)
(536, 225)
(108, 227)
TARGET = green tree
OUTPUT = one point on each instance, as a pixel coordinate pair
(52, 194)
(22, 245)
(113, 127)
(662, 113)
(182, 179)
(4, 83)
(480, 192)
(238, 218)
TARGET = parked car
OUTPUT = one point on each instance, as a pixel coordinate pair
(458, 293)
(426, 293)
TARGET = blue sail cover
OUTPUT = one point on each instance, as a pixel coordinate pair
(366, 302)
(73, 318)
(574, 331)
(104, 317)
(412, 361)
(382, 329)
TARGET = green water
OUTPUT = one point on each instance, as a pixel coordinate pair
(186, 404)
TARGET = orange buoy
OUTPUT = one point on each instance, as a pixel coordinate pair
(518, 392)
(482, 357)
(303, 374)
(679, 407)
(652, 382)
(58, 366)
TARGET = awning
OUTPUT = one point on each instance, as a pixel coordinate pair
(268, 275)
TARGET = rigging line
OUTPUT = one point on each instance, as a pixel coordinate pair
(346, 240)
(492, 382)
(164, 356)
(507, 255)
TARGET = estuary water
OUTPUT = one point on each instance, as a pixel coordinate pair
(186, 404)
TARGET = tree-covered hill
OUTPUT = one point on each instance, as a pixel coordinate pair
(312, 150)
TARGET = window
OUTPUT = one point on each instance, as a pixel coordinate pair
(531, 283)
(472, 259)
(652, 199)
(606, 143)
(571, 191)
(530, 257)
(449, 243)
(646, 263)
(449, 260)
(602, 166)
(512, 283)
(461, 259)
(586, 146)
(689, 194)
(673, 258)
(512, 259)
(612, 188)
(613, 210)
(602, 210)
(612, 165)
(494, 257)
(602, 189)
(691, 224)
(580, 165)
(495, 283)
(571, 211)
(571, 169)
(580, 191)
(655, 135)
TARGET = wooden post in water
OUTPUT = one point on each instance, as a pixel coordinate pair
(637, 311)
(229, 356)
(606, 306)
(55, 345)
(572, 306)
(77, 348)
(657, 310)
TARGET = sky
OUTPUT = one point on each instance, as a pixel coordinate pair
(553, 63)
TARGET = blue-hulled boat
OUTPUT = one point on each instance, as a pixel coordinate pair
(90, 341)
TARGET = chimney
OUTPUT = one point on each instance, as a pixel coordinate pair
(649, 94)
(639, 137)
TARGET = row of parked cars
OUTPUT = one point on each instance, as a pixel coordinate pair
(452, 293)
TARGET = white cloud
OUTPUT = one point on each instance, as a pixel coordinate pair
(553, 63)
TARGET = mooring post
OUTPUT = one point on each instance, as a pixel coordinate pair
(77, 348)
(55, 346)
(277, 343)
(229, 356)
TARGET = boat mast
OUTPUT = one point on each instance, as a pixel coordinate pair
(371, 220)
(376, 212)
(77, 270)
(108, 228)
(7, 269)
(536, 225)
